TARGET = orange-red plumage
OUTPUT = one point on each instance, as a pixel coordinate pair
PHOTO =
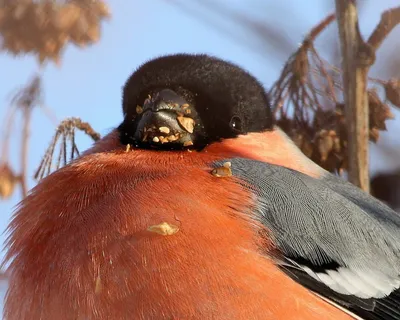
(84, 252)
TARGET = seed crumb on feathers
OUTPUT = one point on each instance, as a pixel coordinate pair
(164, 229)
(223, 171)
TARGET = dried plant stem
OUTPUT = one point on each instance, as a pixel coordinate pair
(355, 82)
(8, 123)
(358, 56)
(389, 20)
(315, 31)
(25, 151)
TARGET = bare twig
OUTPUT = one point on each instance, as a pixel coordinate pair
(320, 27)
(49, 113)
(389, 20)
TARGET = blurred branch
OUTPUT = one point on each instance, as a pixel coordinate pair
(357, 57)
(320, 27)
(389, 20)
(8, 124)
(25, 150)
(24, 101)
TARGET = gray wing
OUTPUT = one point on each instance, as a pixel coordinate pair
(333, 238)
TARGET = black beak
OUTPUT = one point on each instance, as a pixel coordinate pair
(167, 120)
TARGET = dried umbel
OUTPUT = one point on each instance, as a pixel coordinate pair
(327, 142)
(379, 112)
(8, 181)
(45, 27)
(324, 138)
(65, 133)
(308, 103)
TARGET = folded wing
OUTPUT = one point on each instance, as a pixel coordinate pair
(332, 237)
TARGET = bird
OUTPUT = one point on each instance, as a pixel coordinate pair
(198, 206)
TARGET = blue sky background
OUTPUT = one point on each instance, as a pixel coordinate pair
(88, 83)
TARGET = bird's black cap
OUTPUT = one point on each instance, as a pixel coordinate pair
(187, 100)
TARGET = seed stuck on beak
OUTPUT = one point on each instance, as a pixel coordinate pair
(164, 134)
(186, 123)
(139, 109)
(164, 130)
(167, 121)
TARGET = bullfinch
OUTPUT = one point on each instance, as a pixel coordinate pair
(198, 207)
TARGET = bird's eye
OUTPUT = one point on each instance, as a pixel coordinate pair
(236, 124)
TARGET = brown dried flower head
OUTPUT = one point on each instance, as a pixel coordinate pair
(8, 181)
(44, 28)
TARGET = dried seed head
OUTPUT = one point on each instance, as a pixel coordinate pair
(336, 144)
(186, 123)
(223, 171)
(66, 16)
(324, 143)
(48, 20)
(304, 144)
(93, 32)
(379, 111)
(164, 228)
(392, 91)
(102, 9)
(374, 134)
(301, 64)
(7, 181)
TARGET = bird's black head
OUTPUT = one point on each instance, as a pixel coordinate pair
(189, 101)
